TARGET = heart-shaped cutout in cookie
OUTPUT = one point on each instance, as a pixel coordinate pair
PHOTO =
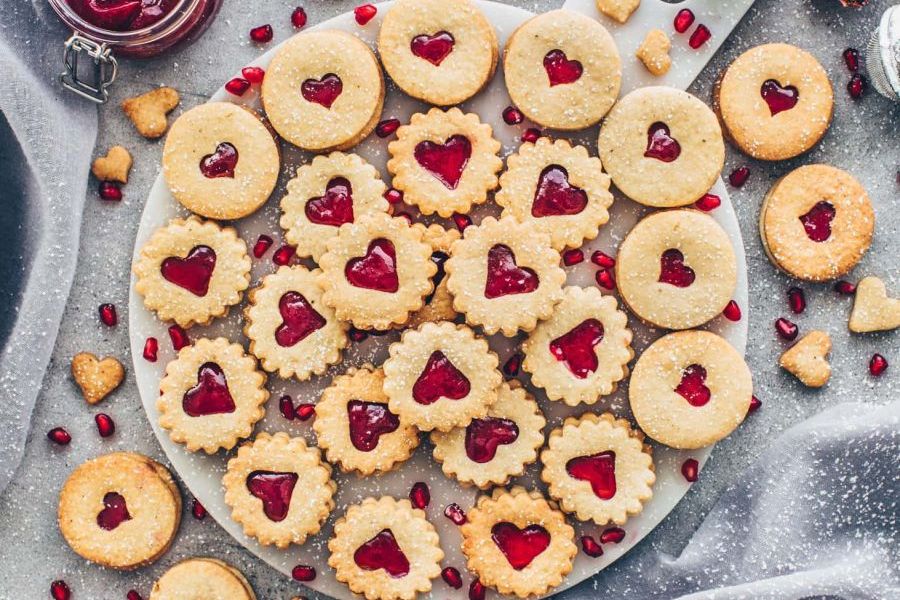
(299, 319)
(777, 97)
(220, 163)
(211, 395)
(504, 276)
(335, 207)
(440, 379)
(692, 386)
(193, 272)
(114, 513)
(660, 144)
(520, 546)
(673, 271)
(96, 378)
(561, 70)
(368, 421)
(597, 469)
(324, 91)
(576, 348)
(873, 310)
(382, 552)
(555, 196)
(433, 48)
(377, 270)
(275, 491)
(483, 436)
(807, 360)
(447, 161)
(817, 221)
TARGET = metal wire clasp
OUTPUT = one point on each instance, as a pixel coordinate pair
(100, 76)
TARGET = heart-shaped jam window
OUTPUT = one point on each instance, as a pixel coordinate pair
(777, 97)
(382, 552)
(433, 48)
(377, 270)
(520, 546)
(555, 196)
(275, 490)
(299, 319)
(211, 395)
(193, 272)
(447, 161)
(334, 208)
(597, 469)
(692, 386)
(484, 435)
(220, 163)
(322, 91)
(817, 222)
(561, 70)
(440, 379)
(673, 271)
(504, 276)
(114, 513)
(576, 348)
(368, 421)
(661, 145)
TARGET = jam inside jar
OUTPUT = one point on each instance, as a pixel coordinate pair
(122, 15)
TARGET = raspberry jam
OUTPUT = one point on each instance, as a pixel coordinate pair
(275, 491)
(440, 379)
(520, 546)
(368, 421)
(299, 319)
(483, 436)
(382, 552)
(504, 276)
(576, 348)
(122, 15)
(555, 196)
(597, 469)
(211, 395)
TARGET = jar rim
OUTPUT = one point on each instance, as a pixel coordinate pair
(172, 21)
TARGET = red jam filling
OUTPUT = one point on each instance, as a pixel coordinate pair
(322, 91)
(483, 436)
(520, 546)
(440, 379)
(597, 469)
(555, 196)
(576, 348)
(692, 386)
(504, 276)
(673, 271)
(382, 552)
(122, 15)
(192, 272)
(275, 491)
(211, 395)
(299, 319)
(377, 270)
(445, 161)
(433, 48)
(779, 98)
(220, 163)
(114, 513)
(368, 422)
(661, 145)
(334, 208)
(561, 70)
(817, 222)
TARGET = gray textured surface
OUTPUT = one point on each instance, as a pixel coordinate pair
(863, 139)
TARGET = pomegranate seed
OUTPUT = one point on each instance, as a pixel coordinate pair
(286, 406)
(105, 425)
(512, 115)
(387, 127)
(108, 314)
(393, 196)
(732, 311)
(845, 287)
(262, 245)
(198, 510)
(708, 202)
(513, 364)
(700, 36)
(590, 546)
(603, 260)
(110, 190)
(237, 86)
(262, 34)
(612, 535)
(531, 135)
(877, 365)
(284, 255)
(298, 17)
(452, 577)
(59, 590)
(796, 300)
(303, 573)
(573, 257)
(357, 335)
(739, 176)
(364, 13)
(419, 495)
(606, 279)
(690, 469)
(179, 337)
(253, 74)
(683, 20)
(151, 347)
(851, 59)
(476, 590)
(754, 404)
(462, 221)
(455, 514)
(305, 411)
(60, 436)
(133, 595)
(405, 215)
(786, 329)
(857, 86)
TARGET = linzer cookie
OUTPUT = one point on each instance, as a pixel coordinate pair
(562, 70)
(662, 147)
(220, 161)
(439, 51)
(208, 577)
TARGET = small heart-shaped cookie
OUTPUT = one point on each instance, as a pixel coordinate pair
(872, 309)
(807, 360)
(618, 10)
(96, 378)
(114, 166)
(654, 52)
(148, 111)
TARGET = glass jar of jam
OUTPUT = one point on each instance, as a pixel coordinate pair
(104, 29)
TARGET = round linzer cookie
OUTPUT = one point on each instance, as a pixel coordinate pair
(323, 90)
(598, 468)
(220, 161)
(445, 161)
(385, 549)
(202, 578)
(120, 510)
(775, 101)
(279, 489)
(816, 223)
(676, 269)
(690, 389)
(662, 147)
(211, 396)
(192, 271)
(439, 51)
(562, 70)
(558, 188)
(326, 193)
